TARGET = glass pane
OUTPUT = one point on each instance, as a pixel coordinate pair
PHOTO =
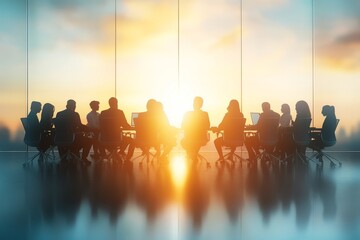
(71, 53)
(337, 67)
(210, 54)
(147, 55)
(12, 73)
(277, 54)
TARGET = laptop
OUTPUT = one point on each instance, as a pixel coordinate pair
(254, 117)
(134, 116)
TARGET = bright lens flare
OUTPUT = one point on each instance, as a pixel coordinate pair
(178, 170)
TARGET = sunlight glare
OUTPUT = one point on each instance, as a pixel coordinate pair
(176, 106)
(178, 170)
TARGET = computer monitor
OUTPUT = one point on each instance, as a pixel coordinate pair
(255, 117)
(134, 115)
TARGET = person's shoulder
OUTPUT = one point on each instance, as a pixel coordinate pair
(104, 112)
(61, 113)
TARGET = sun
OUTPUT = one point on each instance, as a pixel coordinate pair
(175, 106)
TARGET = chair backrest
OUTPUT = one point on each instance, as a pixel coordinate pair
(147, 132)
(301, 134)
(234, 132)
(64, 134)
(108, 135)
(328, 137)
(32, 136)
(268, 135)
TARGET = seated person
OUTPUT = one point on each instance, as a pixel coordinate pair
(47, 127)
(253, 143)
(167, 133)
(195, 125)
(93, 123)
(72, 119)
(327, 130)
(231, 117)
(33, 128)
(147, 128)
(112, 121)
(285, 144)
(302, 112)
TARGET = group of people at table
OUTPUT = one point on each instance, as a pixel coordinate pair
(104, 131)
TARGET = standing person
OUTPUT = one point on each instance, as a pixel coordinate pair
(232, 117)
(93, 123)
(195, 124)
(72, 119)
(116, 120)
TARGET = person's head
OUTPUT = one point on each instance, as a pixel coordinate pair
(159, 106)
(302, 108)
(265, 106)
(48, 111)
(328, 110)
(94, 105)
(151, 105)
(198, 103)
(285, 108)
(35, 107)
(233, 106)
(113, 103)
(71, 105)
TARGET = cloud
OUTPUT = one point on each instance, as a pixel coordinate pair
(342, 52)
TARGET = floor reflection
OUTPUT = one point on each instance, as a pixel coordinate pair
(173, 201)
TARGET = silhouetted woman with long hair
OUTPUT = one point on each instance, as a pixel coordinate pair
(46, 124)
(233, 115)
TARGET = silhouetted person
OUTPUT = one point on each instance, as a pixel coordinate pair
(47, 127)
(285, 118)
(253, 143)
(33, 128)
(231, 117)
(195, 125)
(302, 112)
(167, 133)
(117, 120)
(147, 129)
(72, 119)
(94, 125)
(285, 144)
(328, 128)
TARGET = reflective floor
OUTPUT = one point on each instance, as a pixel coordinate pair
(174, 201)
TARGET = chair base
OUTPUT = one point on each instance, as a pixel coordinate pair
(319, 155)
(232, 157)
(201, 159)
(147, 156)
(42, 157)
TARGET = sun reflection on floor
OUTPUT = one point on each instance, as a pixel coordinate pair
(178, 169)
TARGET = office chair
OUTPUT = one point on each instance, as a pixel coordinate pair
(268, 138)
(64, 139)
(110, 139)
(33, 139)
(233, 137)
(201, 158)
(301, 138)
(147, 139)
(327, 139)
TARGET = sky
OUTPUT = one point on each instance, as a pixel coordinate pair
(250, 50)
